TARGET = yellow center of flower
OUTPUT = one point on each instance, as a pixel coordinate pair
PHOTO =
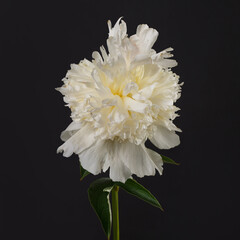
(124, 83)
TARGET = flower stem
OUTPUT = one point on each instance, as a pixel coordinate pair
(115, 212)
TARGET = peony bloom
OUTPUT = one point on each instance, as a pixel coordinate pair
(118, 101)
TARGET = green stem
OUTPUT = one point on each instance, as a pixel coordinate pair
(115, 213)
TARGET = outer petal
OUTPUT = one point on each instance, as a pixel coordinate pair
(118, 169)
(164, 138)
(162, 58)
(81, 72)
(119, 30)
(70, 130)
(137, 159)
(93, 158)
(128, 158)
(116, 36)
(81, 140)
(156, 158)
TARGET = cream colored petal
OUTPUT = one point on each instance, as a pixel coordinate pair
(136, 158)
(132, 86)
(81, 140)
(97, 57)
(119, 30)
(70, 130)
(104, 53)
(109, 102)
(135, 106)
(164, 138)
(93, 158)
(118, 115)
(144, 38)
(106, 163)
(167, 63)
(79, 73)
(145, 93)
(156, 158)
(118, 170)
(162, 58)
(102, 90)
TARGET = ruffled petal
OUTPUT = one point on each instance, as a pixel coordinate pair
(115, 39)
(118, 115)
(132, 86)
(135, 106)
(162, 58)
(81, 140)
(145, 93)
(119, 30)
(164, 138)
(144, 38)
(81, 73)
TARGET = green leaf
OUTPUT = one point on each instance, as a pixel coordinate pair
(98, 194)
(136, 189)
(83, 173)
(169, 160)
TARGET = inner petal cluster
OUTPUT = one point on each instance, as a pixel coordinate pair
(124, 105)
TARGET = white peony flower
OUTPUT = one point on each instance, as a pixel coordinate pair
(118, 101)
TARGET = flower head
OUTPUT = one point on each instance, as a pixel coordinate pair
(119, 100)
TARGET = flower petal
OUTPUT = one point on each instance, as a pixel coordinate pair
(135, 106)
(119, 30)
(118, 115)
(119, 172)
(97, 57)
(81, 72)
(81, 140)
(145, 93)
(72, 128)
(156, 158)
(132, 86)
(136, 159)
(144, 38)
(161, 58)
(93, 158)
(164, 138)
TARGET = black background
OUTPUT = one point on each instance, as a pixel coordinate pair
(42, 195)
